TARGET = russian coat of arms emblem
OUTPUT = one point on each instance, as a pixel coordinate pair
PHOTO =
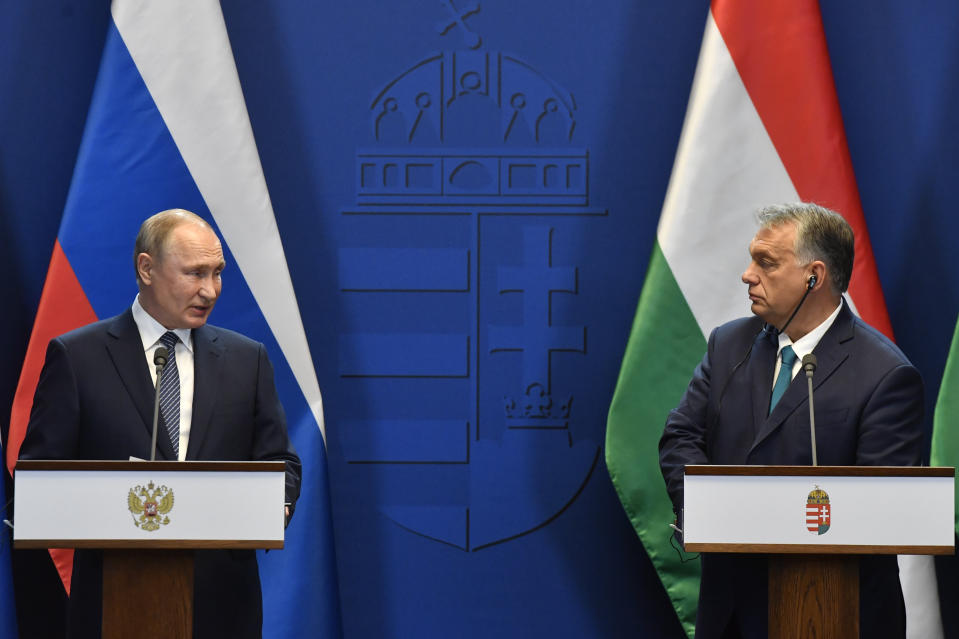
(150, 506)
(818, 512)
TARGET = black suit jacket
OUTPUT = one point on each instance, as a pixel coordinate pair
(869, 406)
(94, 400)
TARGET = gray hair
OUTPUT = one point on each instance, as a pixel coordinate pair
(156, 230)
(821, 234)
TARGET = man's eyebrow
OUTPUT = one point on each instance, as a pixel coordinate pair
(204, 264)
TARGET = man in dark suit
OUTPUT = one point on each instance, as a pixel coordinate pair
(94, 400)
(739, 410)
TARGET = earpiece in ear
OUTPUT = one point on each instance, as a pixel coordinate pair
(811, 282)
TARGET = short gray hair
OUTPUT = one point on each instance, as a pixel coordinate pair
(156, 229)
(821, 234)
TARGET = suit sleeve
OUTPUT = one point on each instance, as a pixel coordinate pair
(890, 432)
(271, 440)
(53, 429)
(684, 437)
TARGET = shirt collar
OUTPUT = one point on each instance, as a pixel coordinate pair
(151, 330)
(808, 342)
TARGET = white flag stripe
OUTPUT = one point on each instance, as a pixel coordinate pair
(920, 591)
(181, 50)
(726, 167)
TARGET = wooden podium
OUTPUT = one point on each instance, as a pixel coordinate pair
(148, 518)
(813, 521)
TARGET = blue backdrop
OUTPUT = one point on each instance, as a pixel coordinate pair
(468, 205)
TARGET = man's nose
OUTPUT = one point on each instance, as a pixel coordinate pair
(749, 275)
(208, 289)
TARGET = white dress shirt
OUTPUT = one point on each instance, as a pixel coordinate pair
(802, 346)
(150, 333)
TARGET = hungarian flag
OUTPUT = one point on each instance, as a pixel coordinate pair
(762, 127)
(168, 128)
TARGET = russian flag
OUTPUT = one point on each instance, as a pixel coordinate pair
(168, 128)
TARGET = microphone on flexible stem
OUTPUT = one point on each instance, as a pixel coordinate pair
(809, 365)
(160, 356)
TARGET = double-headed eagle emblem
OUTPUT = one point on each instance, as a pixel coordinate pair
(149, 506)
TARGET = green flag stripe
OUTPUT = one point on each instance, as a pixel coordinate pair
(664, 347)
(945, 423)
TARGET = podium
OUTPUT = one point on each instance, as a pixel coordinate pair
(812, 522)
(148, 518)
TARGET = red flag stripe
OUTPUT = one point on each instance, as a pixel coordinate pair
(63, 307)
(779, 49)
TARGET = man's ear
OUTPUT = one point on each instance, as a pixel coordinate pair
(145, 264)
(818, 269)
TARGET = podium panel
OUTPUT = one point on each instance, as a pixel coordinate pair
(117, 504)
(813, 592)
(821, 509)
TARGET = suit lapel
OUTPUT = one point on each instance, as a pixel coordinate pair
(207, 360)
(761, 366)
(126, 351)
(831, 352)
(833, 349)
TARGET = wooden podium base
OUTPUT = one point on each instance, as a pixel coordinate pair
(147, 593)
(813, 596)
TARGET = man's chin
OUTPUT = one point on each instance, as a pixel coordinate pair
(762, 313)
(195, 320)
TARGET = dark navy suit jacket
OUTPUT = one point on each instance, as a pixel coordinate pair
(869, 406)
(94, 400)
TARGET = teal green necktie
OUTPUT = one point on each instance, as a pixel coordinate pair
(785, 376)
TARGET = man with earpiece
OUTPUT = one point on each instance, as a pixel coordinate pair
(745, 405)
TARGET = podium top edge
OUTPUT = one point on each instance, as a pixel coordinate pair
(823, 471)
(178, 466)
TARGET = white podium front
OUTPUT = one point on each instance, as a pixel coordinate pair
(813, 521)
(148, 518)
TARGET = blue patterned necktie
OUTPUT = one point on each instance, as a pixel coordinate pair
(785, 376)
(170, 392)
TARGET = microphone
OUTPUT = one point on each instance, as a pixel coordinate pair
(160, 356)
(809, 365)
